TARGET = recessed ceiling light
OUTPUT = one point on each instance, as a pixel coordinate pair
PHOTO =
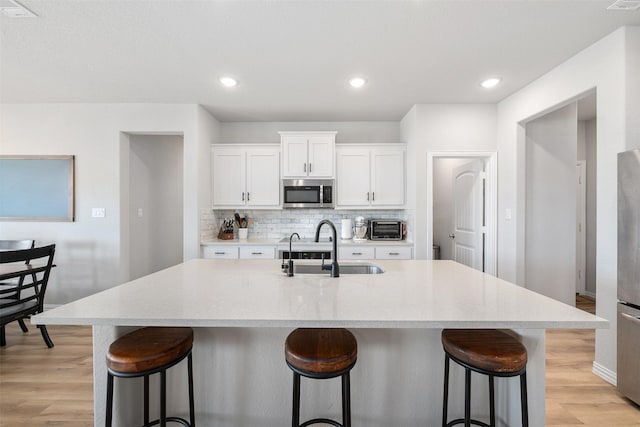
(228, 81)
(357, 82)
(492, 82)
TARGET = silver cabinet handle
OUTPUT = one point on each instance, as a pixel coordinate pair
(394, 253)
(373, 196)
(256, 253)
(309, 167)
(243, 196)
(247, 196)
(219, 253)
(305, 167)
(356, 253)
(367, 196)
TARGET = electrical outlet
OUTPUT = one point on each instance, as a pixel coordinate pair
(98, 212)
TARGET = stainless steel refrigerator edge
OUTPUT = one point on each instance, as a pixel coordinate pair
(628, 369)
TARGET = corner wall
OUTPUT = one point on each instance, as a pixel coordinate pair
(89, 252)
(601, 67)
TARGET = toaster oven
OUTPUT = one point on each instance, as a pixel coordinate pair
(384, 229)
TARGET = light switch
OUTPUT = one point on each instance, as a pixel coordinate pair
(98, 212)
(507, 214)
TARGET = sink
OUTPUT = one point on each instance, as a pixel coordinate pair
(344, 269)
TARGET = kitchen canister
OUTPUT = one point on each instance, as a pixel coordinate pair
(347, 229)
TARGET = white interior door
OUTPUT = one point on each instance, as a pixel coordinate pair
(467, 221)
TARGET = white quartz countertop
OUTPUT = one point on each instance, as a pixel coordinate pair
(241, 293)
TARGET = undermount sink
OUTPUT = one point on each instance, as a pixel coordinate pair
(344, 269)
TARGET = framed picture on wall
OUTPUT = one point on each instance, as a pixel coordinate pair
(37, 188)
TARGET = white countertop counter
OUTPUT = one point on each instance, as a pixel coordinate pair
(239, 293)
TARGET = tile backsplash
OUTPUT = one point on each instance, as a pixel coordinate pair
(275, 224)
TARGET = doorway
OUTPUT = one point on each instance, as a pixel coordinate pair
(559, 209)
(462, 200)
(155, 203)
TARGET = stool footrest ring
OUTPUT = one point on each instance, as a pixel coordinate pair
(182, 421)
(462, 421)
(321, 420)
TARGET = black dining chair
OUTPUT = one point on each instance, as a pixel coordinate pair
(14, 245)
(27, 297)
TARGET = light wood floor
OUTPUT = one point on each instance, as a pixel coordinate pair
(53, 387)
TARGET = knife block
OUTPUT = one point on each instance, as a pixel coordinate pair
(225, 235)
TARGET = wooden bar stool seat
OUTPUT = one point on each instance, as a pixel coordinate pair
(145, 352)
(321, 354)
(490, 352)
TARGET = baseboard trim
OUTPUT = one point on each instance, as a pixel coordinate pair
(605, 373)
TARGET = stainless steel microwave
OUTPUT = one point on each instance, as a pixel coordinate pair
(307, 193)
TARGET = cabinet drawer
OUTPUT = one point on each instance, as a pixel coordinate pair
(257, 252)
(394, 252)
(220, 252)
(356, 253)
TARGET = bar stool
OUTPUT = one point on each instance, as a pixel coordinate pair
(321, 354)
(148, 351)
(486, 351)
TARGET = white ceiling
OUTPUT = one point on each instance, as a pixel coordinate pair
(292, 58)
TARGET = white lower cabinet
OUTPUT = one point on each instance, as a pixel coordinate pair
(220, 252)
(356, 252)
(239, 252)
(257, 252)
(394, 252)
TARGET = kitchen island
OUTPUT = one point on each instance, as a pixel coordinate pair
(242, 312)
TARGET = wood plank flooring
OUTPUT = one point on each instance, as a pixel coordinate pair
(53, 387)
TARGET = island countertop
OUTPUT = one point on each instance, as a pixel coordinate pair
(240, 293)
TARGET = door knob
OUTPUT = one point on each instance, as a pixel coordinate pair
(452, 236)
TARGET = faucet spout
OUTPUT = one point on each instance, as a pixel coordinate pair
(290, 263)
(334, 267)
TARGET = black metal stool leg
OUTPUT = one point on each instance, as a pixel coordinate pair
(163, 399)
(445, 402)
(467, 397)
(23, 326)
(346, 400)
(523, 400)
(192, 410)
(146, 400)
(109, 409)
(295, 417)
(492, 403)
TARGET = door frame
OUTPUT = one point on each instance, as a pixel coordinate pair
(491, 201)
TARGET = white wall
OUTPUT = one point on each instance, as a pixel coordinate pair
(550, 216)
(90, 252)
(441, 128)
(348, 132)
(155, 203)
(600, 66)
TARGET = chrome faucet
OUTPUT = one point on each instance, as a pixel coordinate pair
(334, 267)
(290, 265)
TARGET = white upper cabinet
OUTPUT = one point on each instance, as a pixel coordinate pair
(370, 177)
(308, 154)
(245, 176)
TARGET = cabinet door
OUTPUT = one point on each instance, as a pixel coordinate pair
(228, 175)
(220, 252)
(352, 173)
(263, 178)
(394, 252)
(356, 252)
(294, 156)
(387, 177)
(320, 156)
(257, 252)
